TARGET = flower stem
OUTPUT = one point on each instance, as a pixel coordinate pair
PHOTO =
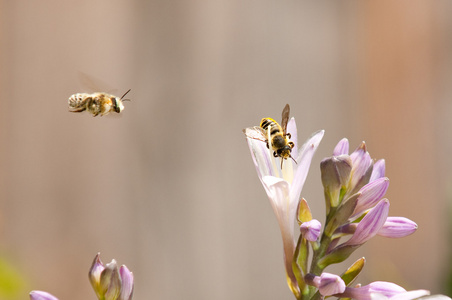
(324, 244)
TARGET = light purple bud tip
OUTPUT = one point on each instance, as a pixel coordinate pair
(127, 283)
(371, 193)
(341, 147)
(311, 230)
(378, 170)
(96, 269)
(40, 295)
(397, 227)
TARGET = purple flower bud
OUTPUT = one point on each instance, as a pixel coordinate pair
(341, 147)
(127, 283)
(371, 193)
(371, 224)
(383, 290)
(94, 274)
(311, 230)
(378, 170)
(331, 284)
(397, 227)
(40, 295)
(362, 166)
(335, 173)
(110, 282)
(328, 284)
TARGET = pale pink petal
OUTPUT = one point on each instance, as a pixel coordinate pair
(304, 162)
(292, 129)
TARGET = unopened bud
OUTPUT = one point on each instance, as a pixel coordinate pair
(335, 173)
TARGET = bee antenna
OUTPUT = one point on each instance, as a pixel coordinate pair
(294, 160)
(125, 95)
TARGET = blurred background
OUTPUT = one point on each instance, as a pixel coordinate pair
(168, 187)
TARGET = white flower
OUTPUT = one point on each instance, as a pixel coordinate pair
(283, 185)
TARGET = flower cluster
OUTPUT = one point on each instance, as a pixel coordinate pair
(356, 210)
(108, 281)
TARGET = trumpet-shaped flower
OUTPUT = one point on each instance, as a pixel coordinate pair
(283, 186)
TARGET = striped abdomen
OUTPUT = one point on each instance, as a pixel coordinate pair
(275, 128)
(77, 102)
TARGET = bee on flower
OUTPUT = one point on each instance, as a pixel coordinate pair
(272, 134)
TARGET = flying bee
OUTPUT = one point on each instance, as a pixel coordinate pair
(96, 103)
(270, 132)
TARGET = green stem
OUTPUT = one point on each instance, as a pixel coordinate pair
(324, 244)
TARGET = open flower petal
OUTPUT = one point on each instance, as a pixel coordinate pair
(292, 129)
(261, 158)
(304, 162)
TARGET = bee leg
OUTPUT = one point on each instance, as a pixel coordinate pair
(268, 146)
(274, 154)
(288, 135)
(291, 145)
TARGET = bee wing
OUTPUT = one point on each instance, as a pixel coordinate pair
(256, 133)
(94, 84)
(285, 117)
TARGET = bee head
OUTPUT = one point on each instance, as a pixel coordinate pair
(285, 152)
(117, 103)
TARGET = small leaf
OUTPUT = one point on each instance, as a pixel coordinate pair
(338, 255)
(300, 261)
(353, 271)
(304, 212)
